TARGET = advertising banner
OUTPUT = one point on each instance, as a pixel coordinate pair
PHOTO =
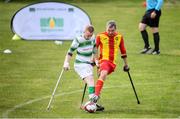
(49, 21)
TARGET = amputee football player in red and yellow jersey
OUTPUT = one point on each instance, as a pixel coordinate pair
(108, 45)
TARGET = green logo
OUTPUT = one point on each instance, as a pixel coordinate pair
(51, 24)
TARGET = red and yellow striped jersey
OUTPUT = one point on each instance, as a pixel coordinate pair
(109, 46)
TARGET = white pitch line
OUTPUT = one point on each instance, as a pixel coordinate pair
(6, 113)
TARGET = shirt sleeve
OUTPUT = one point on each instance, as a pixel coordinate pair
(159, 5)
(97, 41)
(94, 47)
(122, 48)
(74, 46)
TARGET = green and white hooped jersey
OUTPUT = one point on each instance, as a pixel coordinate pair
(84, 48)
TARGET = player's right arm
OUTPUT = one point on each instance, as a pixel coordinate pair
(96, 46)
(69, 54)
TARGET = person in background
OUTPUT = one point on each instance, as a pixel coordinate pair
(151, 18)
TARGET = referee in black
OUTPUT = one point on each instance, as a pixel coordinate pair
(151, 18)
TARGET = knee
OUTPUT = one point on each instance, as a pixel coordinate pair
(142, 27)
(89, 80)
(103, 75)
(155, 30)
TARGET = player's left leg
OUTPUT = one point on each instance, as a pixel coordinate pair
(90, 82)
(85, 71)
(98, 89)
(100, 82)
(156, 37)
(154, 26)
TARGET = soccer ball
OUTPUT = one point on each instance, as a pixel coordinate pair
(90, 107)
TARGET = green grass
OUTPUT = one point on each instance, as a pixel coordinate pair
(29, 74)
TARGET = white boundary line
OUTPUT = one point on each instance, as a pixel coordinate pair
(6, 113)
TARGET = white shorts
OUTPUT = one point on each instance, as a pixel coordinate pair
(83, 70)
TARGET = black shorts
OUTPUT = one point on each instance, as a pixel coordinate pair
(146, 19)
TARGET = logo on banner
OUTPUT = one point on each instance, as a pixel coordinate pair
(51, 24)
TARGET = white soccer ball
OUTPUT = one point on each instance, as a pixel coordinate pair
(90, 107)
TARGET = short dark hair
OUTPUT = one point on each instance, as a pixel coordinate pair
(111, 24)
(89, 28)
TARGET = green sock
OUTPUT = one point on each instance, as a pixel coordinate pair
(91, 91)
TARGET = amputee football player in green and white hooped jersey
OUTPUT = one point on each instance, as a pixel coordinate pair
(84, 45)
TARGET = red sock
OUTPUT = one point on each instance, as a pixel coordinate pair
(99, 86)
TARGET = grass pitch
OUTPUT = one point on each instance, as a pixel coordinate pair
(29, 74)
